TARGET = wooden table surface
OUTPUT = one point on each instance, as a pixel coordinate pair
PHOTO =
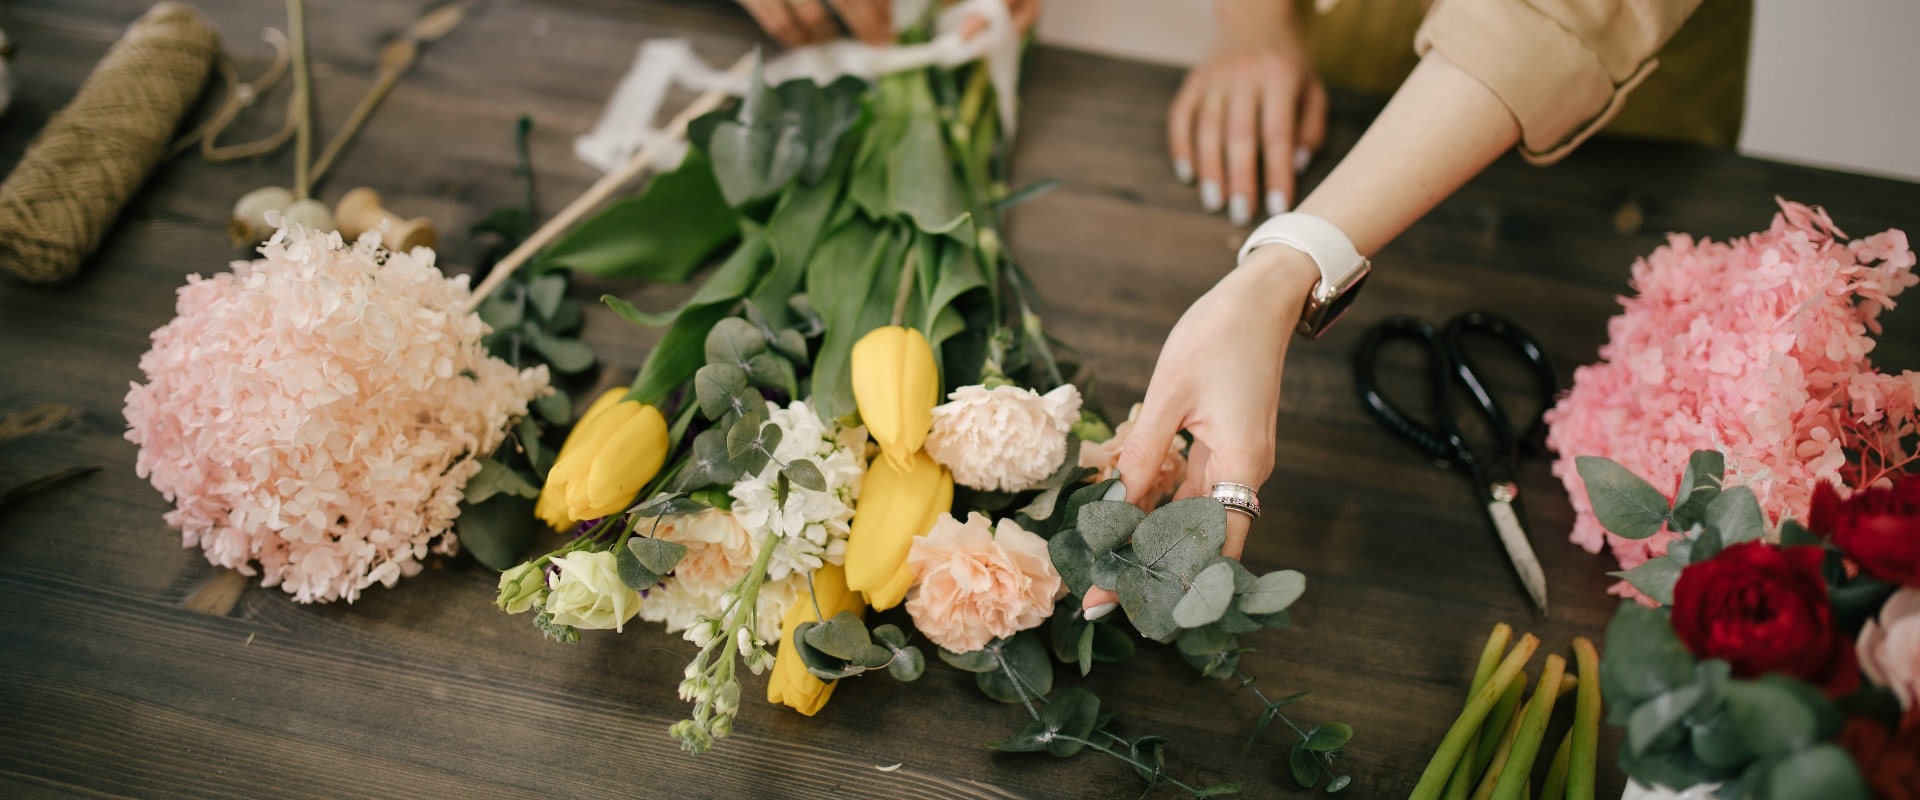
(110, 687)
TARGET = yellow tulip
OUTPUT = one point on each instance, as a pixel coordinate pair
(895, 386)
(791, 684)
(894, 507)
(613, 451)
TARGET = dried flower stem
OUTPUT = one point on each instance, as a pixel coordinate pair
(606, 186)
(302, 99)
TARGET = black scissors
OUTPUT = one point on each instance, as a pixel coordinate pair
(1491, 468)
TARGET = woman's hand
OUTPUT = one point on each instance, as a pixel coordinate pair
(1218, 378)
(1251, 113)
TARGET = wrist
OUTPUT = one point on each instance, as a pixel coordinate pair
(1283, 273)
(1254, 24)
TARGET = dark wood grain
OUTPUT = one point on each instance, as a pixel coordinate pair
(114, 685)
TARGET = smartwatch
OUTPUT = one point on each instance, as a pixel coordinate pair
(1342, 268)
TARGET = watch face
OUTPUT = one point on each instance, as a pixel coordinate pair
(1324, 310)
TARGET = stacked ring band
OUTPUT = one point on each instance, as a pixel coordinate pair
(1238, 497)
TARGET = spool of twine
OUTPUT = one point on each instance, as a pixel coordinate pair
(92, 156)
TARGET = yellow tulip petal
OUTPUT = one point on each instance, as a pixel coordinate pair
(570, 462)
(790, 683)
(895, 386)
(552, 508)
(630, 458)
(893, 508)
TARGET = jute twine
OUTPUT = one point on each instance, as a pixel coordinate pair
(92, 156)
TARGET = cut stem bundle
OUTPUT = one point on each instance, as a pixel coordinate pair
(1490, 751)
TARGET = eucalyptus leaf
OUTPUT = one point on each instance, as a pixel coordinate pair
(1660, 716)
(1070, 719)
(710, 465)
(496, 478)
(633, 574)
(565, 356)
(805, 474)
(669, 506)
(1182, 537)
(1654, 578)
(733, 341)
(1736, 516)
(1072, 560)
(1149, 601)
(1699, 485)
(1273, 592)
(1106, 524)
(1625, 504)
(1304, 765)
(556, 408)
(1207, 598)
(1821, 772)
(1149, 750)
(981, 660)
(769, 371)
(498, 530)
(1025, 656)
(1643, 658)
(1110, 644)
(658, 555)
(1771, 719)
(1031, 738)
(842, 637)
(544, 293)
(908, 664)
(1327, 737)
(719, 389)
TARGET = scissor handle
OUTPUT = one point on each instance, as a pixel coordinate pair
(1444, 443)
(1508, 436)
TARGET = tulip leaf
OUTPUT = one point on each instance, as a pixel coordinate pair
(805, 475)
(718, 388)
(850, 287)
(661, 234)
(732, 341)
(498, 530)
(1273, 592)
(495, 478)
(1106, 524)
(1624, 503)
(1182, 537)
(1026, 193)
(1207, 598)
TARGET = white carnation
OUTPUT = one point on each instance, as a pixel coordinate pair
(1003, 439)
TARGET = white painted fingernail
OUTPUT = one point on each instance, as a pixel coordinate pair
(1118, 491)
(1239, 209)
(1301, 158)
(1183, 169)
(1101, 610)
(1210, 195)
(1276, 201)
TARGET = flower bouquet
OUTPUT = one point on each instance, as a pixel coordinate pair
(782, 473)
(1782, 661)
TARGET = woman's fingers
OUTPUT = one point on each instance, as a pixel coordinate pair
(870, 21)
(815, 20)
(1313, 123)
(1278, 140)
(1181, 116)
(776, 18)
(1210, 144)
(1243, 149)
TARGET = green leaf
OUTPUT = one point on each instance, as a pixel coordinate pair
(1821, 772)
(1182, 537)
(1207, 598)
(670, 505)
(1026, 657)
(846, 282)
(1624, 503)
(841, 637)
(1654, 578)
(1106, 524)
(710, 464)
(634, 574)
(908, 662)
(1305, 766)
(1031, 738)
(769, 371)
(1071, 714)
(733, 341)
(661, 234)
(659, 556)
(1273, 592)
(722, 389)
(750, 443)
(821, 665)
(1026, 193)
(1149, 601)
(805, 475)
(545, 292)
(794, 230)
(498, 530)
(1698, 487)
(565, 356)
(1147, 750)
(1210, 651)
(1339, 782)
(1736, 516)
(1771, 719)
(1643, 658)
(679, 352)
(1072, 560)
(1327, 737)
(495, 478)
(556, 408)
(1661, 716)
(921, 181)
(976, 661)
(504, 309)
(1219, 790)
(1794, 534)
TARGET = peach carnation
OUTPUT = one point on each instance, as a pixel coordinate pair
(314, 414)
(1104, 457)
(974, 583)
(1003, 439)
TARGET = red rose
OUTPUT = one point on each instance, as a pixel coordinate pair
(1888, 760)
(1879, 528)
(1764, 609)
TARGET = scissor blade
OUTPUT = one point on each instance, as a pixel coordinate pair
(1520, 551)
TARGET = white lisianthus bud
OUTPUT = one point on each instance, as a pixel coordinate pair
(521, 588)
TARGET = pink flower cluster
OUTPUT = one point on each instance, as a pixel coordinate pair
(315, 414)
(1756, 347)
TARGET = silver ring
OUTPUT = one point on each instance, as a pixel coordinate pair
(1238, 497)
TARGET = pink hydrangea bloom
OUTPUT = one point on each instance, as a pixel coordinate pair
(1756, 347)
(314, 414)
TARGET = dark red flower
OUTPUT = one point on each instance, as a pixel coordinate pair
(1889, 760)
(1764, 609)
(1878, 528)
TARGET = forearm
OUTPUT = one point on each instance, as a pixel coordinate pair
(1440, 129)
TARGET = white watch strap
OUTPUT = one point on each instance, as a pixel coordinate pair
(1321, 240)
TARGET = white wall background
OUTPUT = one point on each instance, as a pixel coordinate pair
(1834, 83)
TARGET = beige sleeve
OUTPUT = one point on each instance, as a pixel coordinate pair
(1563, 67)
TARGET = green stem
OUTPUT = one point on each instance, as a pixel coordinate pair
(905, 292)
(1585, 736)
(1526, 746)
(1018, 686)
(1555, 787)
(1434, 778)
(1129, 759)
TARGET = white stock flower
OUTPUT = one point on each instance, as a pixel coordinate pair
(812, 525)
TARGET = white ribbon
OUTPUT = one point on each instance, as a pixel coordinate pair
(627, 124)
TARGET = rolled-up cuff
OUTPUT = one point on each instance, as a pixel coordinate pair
(1556, 86)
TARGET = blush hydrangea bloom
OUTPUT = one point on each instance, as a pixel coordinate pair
(314, 414)
(1756, 347)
